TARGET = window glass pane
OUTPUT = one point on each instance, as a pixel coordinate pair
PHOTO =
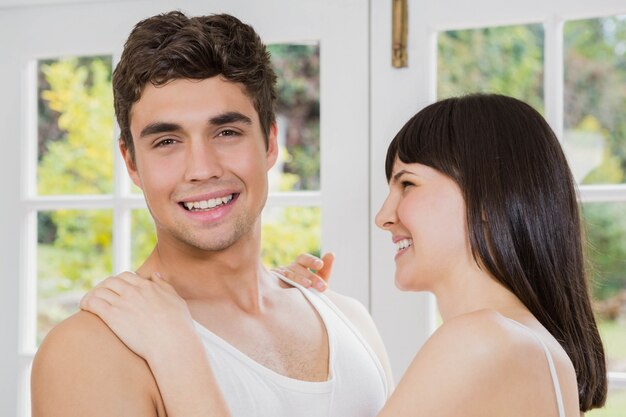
(288, 232)
(142, 238)
(73, 253)
(298, 116)
(75, 126)
(615, 404)
(595, 99)
(605, 225)
(506, 60)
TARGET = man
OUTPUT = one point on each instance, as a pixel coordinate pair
(194, 99)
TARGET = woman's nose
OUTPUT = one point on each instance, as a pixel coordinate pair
(386, 216)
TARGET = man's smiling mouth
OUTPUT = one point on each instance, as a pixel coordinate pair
(205, 205)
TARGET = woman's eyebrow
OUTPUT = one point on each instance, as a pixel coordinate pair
(400, 173)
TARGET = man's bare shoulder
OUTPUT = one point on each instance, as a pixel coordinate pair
(352, 308)
(76, 327)
(83, 339)
(82, 368)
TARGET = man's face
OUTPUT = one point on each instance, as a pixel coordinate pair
(201, 161)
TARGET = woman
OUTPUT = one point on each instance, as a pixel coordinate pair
(482, 208)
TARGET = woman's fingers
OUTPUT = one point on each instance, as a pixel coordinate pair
(96, 305)
(298, 274)
(133, 279)
(143, 312)
(309, 261)
(88, 299)
(115, 290)
(309, 270)
(104, 293)
(327, 260)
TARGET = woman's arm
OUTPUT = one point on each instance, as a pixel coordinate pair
(155, 323)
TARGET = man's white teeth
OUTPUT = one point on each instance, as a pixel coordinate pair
(207, 204)
(403, 244)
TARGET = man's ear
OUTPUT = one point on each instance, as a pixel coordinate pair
(272, 146)
(131, 165)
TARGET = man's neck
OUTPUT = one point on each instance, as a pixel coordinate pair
(231, 275)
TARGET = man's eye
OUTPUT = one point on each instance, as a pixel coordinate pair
(228, 132)
(165, 142)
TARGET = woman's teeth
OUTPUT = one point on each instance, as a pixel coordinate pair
(403, 244)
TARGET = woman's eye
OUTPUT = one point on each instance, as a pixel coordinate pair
(406, 184)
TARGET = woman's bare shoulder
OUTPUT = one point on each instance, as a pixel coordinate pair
(487, 338)
(471, 364)
(481, 337)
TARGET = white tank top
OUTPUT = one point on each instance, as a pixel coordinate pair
(356, 384)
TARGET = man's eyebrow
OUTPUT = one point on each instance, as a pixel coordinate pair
(220, 119)
(159, 127)
(230, 117)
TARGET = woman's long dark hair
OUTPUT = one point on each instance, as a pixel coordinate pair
(522, 214)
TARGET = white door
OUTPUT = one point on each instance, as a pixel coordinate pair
(38, 32)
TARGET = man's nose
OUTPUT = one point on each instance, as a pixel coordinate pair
(202, 161)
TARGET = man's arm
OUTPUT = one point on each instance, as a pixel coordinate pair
(361, 319)
(83, 369)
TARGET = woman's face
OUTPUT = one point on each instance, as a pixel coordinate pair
(425, 214)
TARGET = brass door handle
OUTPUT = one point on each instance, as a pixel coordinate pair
(399, 30)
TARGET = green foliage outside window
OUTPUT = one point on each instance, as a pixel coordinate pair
(297, 68)
(79, 161)
(595, 90)
(504, 60)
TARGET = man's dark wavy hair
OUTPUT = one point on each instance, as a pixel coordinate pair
(173, 46)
